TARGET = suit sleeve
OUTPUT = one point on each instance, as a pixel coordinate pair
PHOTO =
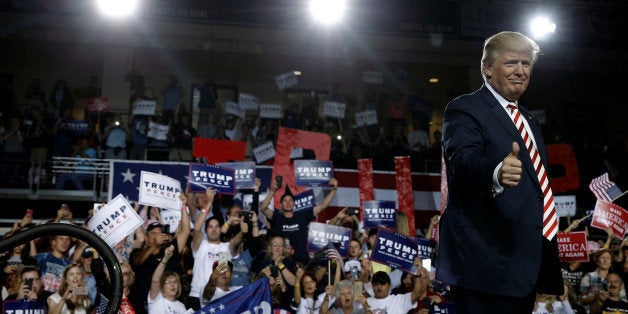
(465, 145)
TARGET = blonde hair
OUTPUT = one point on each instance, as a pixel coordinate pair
(505, 41)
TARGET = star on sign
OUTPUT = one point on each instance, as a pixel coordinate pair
(221, 307)
(128, 175)
(212, 310)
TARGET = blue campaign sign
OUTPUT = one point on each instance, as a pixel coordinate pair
(252, 298)
(244, 173)
(210, 176)
(313, 172)
(23, 306)
(379, 214)
(304, 200)
(124, 177)
(426, 248)
(320, 234)
(395, 250)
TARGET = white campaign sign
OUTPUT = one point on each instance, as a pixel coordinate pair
(115, 221)
(372, 77)
(565, 205)
(144, 107)
(157, 131)
(264, 152)
(366, 118)
(172, 218)
(334, 109)
(235, 109)
(159, 191)
(248, 102)
(286, 80)
(271, 111)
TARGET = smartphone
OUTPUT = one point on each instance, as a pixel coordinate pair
(64, 206)
(427, 303)
(79, 291)
(165, 229)
(354, 272)
(279, 180)
(358, 289)
(274, 271)
(29, 213)
(222, 258)
(29, 283)
(352, 211)
(604, 286)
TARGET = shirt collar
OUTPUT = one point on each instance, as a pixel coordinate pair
(502, 101)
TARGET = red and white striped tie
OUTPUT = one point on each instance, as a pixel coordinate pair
(550, 219)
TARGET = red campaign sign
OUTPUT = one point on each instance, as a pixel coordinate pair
(95, 105)
(217, 151)
(610, 215)
(564, 156)
(405, 196)
(572, 246)
(365, 183)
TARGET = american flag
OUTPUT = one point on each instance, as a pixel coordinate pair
(604, 189)
(101, 307)
(326, 252)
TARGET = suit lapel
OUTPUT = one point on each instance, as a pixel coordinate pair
(502, 117)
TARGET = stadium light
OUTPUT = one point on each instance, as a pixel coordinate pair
(118, 8)
(327, 11)
(541, 26)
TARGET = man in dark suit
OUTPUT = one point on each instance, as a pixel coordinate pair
(495, 250)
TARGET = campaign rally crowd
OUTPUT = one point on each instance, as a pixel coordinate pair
(219, 248)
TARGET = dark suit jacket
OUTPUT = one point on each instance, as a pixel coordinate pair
(489, 243)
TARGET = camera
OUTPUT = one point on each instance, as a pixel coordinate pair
(165, 229)
(352, 211)
(247, 215)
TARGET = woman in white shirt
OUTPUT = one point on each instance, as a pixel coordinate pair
(165, 288)
(72, 295)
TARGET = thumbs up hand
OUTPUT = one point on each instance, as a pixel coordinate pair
(510, 172)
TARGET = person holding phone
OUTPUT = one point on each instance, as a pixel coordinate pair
(31, 287)
(72, 296)
(293, 225)
(206, 252)
(596, 280)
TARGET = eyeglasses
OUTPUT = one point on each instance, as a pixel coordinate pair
(34, 279)
(277, 244)
(171, 282)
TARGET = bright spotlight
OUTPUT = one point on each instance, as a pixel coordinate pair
(541, 26)
(117, 8)
(327, 11)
